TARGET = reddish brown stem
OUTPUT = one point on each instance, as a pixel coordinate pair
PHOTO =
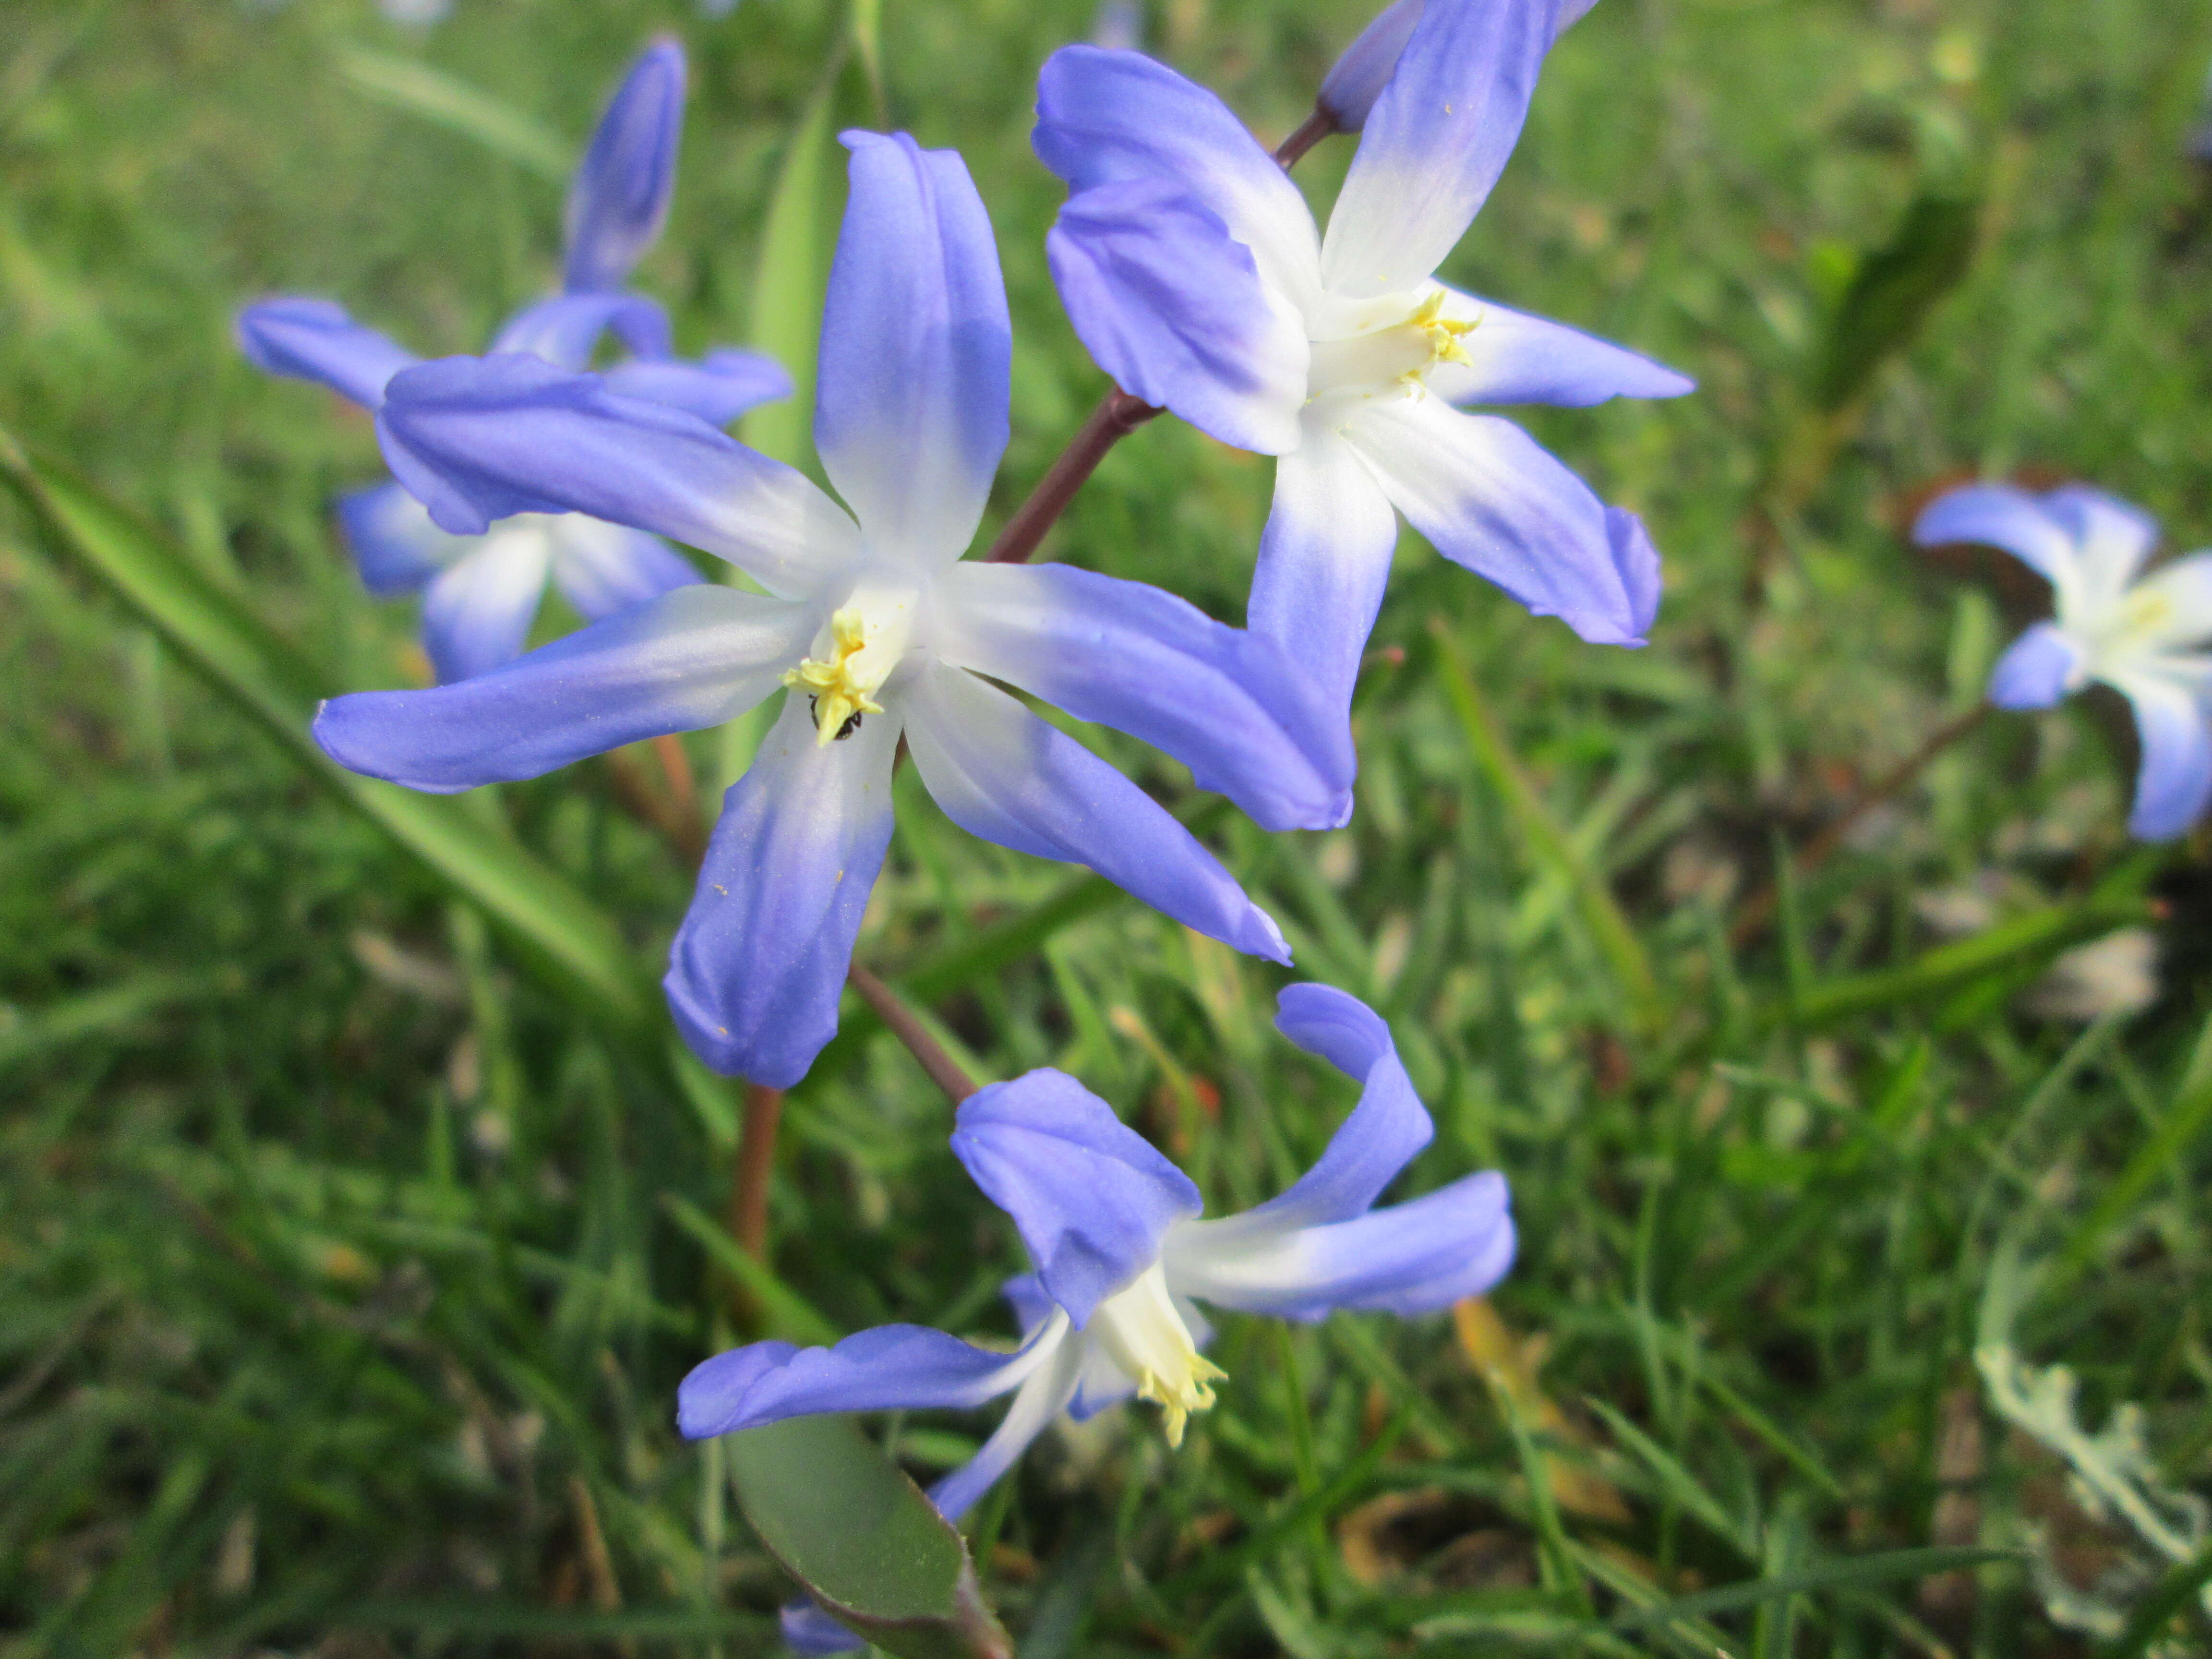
(1319, 125)
(668, 806)
(1758, 909)
(946, 1073)
(1117, 416)
(676, 770)
(756, 1160)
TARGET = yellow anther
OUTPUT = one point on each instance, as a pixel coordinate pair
(1445, 332)
(1177, 1400)
(839, 687)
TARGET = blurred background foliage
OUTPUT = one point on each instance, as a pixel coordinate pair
(348, 1263)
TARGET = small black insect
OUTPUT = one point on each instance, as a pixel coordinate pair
(852, 722)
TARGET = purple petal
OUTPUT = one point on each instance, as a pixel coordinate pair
(891, 1368)
(1105, 117)
(480, 438)
(910, 414)
(1356, 80)
(1231, 705)
(759, 962)
(2175, 779)
(2040, 667)
(698, 657)
(1001, 773)
(718, 389)
(395, 546)
(1411, 1258)
(1998, 515)
(1172, 306)
(1386, 1128)
(477, 612)
(603, 569)
(1489, 497)
(620, 200)
(1324, 561)
(1089, 1196)
(1520, 359)
(1435, 140)
(315, 340)
(2111, 539)
(1041, 1399)
(565, 330)
(812, 1632)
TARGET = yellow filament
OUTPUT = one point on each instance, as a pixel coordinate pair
(1445, 334)
(1194, 1392)
(840, 690)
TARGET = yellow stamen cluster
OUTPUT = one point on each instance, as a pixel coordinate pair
(1445, 334)
(840, 689)
(1177, 1400)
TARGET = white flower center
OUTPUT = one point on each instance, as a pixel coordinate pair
(852, 657)
(1143, 1334)
(1389, 355)
(2134, 625)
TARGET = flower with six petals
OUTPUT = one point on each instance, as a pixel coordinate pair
(1121, 1258)
(869, 616)
(1192, 270)
(2144, 638)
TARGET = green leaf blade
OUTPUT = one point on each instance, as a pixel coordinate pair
(859, 1536)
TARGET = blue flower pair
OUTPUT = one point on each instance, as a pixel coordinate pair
(1192, 270)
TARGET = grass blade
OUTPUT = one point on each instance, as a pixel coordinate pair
(578, 946)
(440, 99)
(787, 287)
(790, 1315)
(1546, 841)
(1828, 1575)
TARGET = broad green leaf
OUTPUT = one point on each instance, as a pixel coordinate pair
(575, 944)
(458, 107)
(1891, 295)
(787, 287)
(841, 1518)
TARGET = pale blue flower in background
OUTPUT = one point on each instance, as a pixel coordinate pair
(1192, 269)
(481, 594)
(1121, 1260)
(870, 616)
(1119, 26)
(2144, 636)
(416, 13)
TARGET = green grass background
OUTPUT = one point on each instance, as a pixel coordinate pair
(344, 1283)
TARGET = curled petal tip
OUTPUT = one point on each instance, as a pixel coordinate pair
(1356, 80)
(620, 199)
